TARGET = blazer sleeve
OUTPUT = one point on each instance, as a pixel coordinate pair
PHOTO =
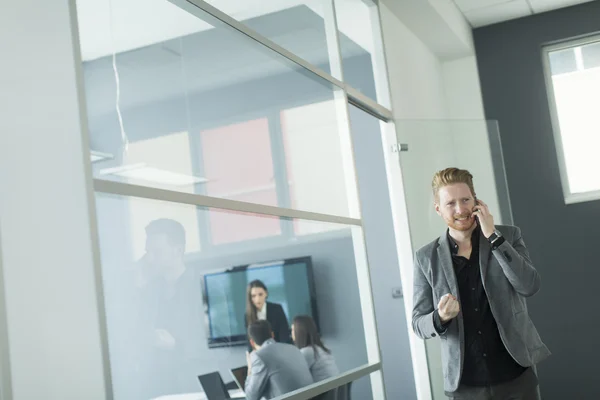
(517, 266)
(423, 316)
(256, 382)
(309, 356)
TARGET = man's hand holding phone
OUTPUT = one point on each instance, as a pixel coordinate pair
(448, 308)
(484, 218)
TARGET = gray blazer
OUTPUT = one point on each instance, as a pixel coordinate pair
(277, 368)
(508, 278)
(321, 364)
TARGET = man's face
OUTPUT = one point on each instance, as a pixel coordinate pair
(160, 253)
(455, 205)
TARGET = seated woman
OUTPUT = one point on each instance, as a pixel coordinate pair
(318, 357)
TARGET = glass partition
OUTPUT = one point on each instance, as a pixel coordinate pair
(299, 26)
(176, 310)
(427, 146)
(203, 109)
(361, 48)
(437, 144)
(219, 160)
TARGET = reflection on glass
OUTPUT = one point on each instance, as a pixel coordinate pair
(361, 48)
(200, 108)
(299, 26)
(178, 305)
(576, 87)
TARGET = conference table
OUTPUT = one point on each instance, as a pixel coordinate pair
(234, 394)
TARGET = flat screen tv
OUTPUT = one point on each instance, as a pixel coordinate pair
(289, 282)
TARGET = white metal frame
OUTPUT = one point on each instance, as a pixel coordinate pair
(570, 198)
(5, 378)
(145, 192)
(344, 95)
(332, 383)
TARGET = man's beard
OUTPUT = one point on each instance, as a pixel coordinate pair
(464, 225)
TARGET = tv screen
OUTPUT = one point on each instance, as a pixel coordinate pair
(289, 283)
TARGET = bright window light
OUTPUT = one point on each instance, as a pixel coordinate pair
(159, 176)
(573, 78)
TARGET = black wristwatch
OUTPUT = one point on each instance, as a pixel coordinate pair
(496, 239)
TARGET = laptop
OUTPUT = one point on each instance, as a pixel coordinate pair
(239, 376)
(213, 386)
(215, 389)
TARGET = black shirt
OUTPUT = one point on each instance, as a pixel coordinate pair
(486, 360)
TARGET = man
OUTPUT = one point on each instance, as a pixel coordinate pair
(273, 368)
(470, 287)
(168, 321)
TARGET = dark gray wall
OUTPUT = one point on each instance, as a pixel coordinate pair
(562, 239)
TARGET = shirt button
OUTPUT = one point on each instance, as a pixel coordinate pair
(479, 332)
(485, 355)
(477, 309)
(472, 288)
(433, 335)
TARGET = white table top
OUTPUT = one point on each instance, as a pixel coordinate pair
(234, 394)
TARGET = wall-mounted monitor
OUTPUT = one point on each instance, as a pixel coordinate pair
(289, 283)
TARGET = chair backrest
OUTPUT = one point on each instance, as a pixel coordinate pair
(343, 392)
(340, 393)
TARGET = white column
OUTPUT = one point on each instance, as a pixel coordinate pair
(47, 224)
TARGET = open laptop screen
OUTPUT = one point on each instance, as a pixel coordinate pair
(213, 386)
(239, 375)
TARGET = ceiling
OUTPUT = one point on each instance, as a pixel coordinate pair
(487, 12)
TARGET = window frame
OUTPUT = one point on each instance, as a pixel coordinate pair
(569, 197)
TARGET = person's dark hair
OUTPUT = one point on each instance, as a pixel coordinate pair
(307, 334)
(260, 331)
(251, 311)
(173, 230)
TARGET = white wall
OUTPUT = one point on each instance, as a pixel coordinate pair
(461, 82)
(415, 73)
(47, 259)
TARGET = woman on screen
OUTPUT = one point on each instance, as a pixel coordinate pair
(258, 308)
(319, 358)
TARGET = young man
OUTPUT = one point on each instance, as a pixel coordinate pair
(273, 368)
(167, 321)
(470, 287)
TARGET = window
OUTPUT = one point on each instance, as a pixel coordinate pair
(573, 80)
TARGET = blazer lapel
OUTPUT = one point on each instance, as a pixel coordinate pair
(445, 259)
(484, 255)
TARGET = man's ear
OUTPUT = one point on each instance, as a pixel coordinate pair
(437, 208)
(272, 335)
(252, 344)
